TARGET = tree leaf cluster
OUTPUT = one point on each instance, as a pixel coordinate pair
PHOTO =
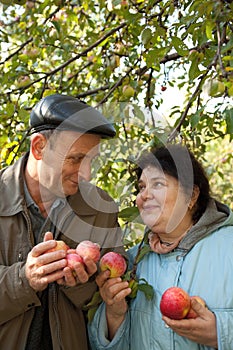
(95, 51)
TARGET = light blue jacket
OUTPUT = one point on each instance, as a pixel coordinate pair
(202, 265)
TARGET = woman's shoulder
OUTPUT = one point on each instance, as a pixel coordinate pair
(220, 238)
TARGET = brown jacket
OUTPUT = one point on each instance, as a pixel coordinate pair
(90, 214)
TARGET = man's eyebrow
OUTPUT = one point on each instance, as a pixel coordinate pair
(76, 154)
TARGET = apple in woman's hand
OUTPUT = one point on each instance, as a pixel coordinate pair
(114, 262)
(175, 303)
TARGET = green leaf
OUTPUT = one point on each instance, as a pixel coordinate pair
(194, 120)
(209, 29)
(133, 284)
(154, 56)
(194, 70)
(10, 109)
(129, 214)
(93, 305)
(147, 289)
(180, 46)
(146, 36)
(57, 26)
(229, 120)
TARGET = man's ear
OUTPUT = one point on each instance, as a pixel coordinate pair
(38, 143)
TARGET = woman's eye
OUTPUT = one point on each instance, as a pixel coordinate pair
(141, 188)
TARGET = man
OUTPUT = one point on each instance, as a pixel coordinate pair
(46, 196)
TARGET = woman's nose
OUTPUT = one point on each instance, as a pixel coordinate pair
(146, 193)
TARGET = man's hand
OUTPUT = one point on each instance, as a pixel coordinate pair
(80, 274)
(43, 268)
(201, 330)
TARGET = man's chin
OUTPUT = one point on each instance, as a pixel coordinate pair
(71, 190)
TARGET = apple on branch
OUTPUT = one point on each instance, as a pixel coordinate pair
(128, 91)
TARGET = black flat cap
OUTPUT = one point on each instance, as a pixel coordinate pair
(64, 112)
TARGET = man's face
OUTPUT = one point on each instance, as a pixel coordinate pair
(67, 160)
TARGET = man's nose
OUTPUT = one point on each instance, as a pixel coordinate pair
(85, 171)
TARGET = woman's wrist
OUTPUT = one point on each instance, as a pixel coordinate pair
(114, 320)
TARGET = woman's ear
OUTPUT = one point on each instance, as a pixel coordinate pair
(38, 143)
(194, 198)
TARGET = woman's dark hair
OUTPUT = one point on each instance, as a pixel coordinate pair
(180, 163)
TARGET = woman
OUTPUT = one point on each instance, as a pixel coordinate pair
(191, 239)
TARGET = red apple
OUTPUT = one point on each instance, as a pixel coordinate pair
(89, 249)
(72, 259)
(192, 313)
(114, 262)
(175, 303)
(71, 251)
(60, 246)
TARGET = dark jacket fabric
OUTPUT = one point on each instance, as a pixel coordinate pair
(91, 214)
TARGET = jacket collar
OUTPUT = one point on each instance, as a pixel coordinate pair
(216, 216)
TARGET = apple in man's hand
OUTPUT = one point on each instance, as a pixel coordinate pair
(89, 249)
(175, 303)
(72, 259)
(60, 245)
(114, 262)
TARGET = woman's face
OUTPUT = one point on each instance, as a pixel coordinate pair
(162, 202)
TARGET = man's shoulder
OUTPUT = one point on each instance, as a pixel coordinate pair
(11, 184)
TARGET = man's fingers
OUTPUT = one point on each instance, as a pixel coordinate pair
(90, 267)
(48, 236)
(51, 267)
(42, 247)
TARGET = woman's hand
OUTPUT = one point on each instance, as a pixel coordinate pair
(201, 330)
(113, 291)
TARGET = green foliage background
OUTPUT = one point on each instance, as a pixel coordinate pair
(125, 56)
